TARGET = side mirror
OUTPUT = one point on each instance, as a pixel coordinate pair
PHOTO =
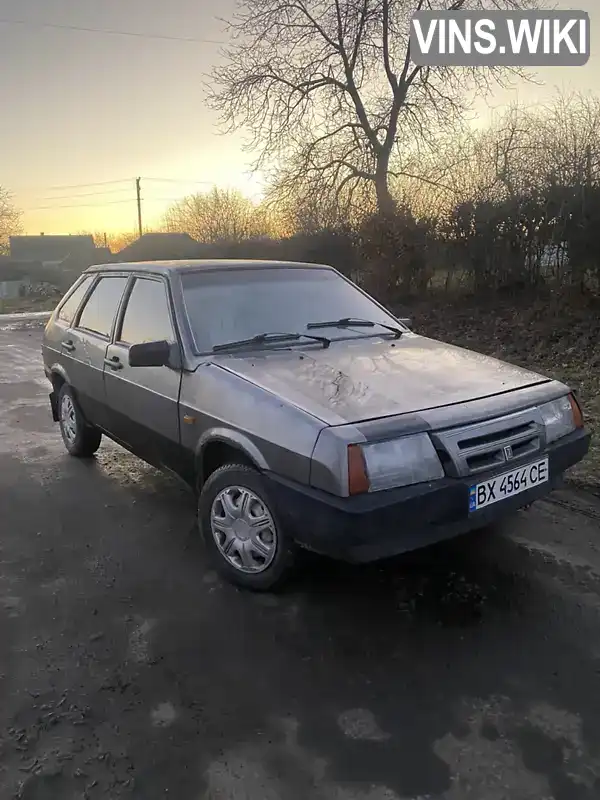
(406, 321)
(150, 354)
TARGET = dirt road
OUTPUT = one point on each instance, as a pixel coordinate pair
(127, 669)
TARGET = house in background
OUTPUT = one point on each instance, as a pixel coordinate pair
(161, 247)
(15, 279)
(103, 255)
(52, 250)
(57, 260)
(174, 246)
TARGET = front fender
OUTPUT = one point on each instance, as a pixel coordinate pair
(233, 438)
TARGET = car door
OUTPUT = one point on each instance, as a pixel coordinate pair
(86, 342)
(143, 401)
(56, 347)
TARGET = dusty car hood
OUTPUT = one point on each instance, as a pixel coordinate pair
(353, 381)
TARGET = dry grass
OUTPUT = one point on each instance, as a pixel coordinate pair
(557, 335)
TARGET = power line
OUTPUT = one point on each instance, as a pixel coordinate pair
(57, 203)
(109, 203)
(136, 34)
(87, 194)
(112, 183)
(82, 205)
(180, 180)
(86, 185)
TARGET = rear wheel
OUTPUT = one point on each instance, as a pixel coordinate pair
(81, 440)
(249, 545)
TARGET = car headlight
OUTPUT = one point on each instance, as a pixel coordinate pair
(387, 465)
(561, 417)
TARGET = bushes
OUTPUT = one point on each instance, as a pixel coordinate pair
(396, 252)
(535, 241)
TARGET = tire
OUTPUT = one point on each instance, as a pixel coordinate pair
(260, 561)
(81, 440)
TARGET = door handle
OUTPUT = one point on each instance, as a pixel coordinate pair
(114, 362)
(68, 345)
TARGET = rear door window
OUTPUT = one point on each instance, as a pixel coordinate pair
(66, 313)
(101, 306)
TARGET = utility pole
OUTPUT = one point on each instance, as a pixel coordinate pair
(139, 203)
(588, 165)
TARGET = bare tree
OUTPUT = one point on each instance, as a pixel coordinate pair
(536, 148)
(218, 215)
(568, 133)
(329, 93)
(10, 219)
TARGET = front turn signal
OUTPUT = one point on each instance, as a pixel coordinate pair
(577, 412)
(358, 481)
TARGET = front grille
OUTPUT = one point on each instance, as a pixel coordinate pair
(497, 436)
(497, 455)
(487, 445)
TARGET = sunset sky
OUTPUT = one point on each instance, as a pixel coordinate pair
(89, 108)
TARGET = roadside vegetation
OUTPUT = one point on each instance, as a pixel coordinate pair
(547, 334)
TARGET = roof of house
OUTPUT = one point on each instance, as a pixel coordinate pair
(214, 264)
(50, 248)
(152, 246)
(103, 254)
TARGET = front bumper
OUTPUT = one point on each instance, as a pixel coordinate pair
(382, 524)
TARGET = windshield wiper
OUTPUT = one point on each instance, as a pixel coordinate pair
(271, 338)
(354, 322)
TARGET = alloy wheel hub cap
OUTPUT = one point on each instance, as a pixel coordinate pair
(243, 529)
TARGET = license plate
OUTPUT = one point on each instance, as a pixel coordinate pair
(508, 484)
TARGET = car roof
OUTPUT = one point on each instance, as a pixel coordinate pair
(183, 265)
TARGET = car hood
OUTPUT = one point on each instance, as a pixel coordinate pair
(358, 380)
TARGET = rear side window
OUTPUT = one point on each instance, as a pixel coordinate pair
(101, 307)
(67, 311)
(147, 316)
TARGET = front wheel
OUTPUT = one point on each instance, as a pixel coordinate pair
(242, 533)
(81, 440)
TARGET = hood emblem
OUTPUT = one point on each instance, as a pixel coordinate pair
(508, 452)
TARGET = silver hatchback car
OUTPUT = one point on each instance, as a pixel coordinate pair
(303, 413)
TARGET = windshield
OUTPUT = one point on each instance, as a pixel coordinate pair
(228, 305)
